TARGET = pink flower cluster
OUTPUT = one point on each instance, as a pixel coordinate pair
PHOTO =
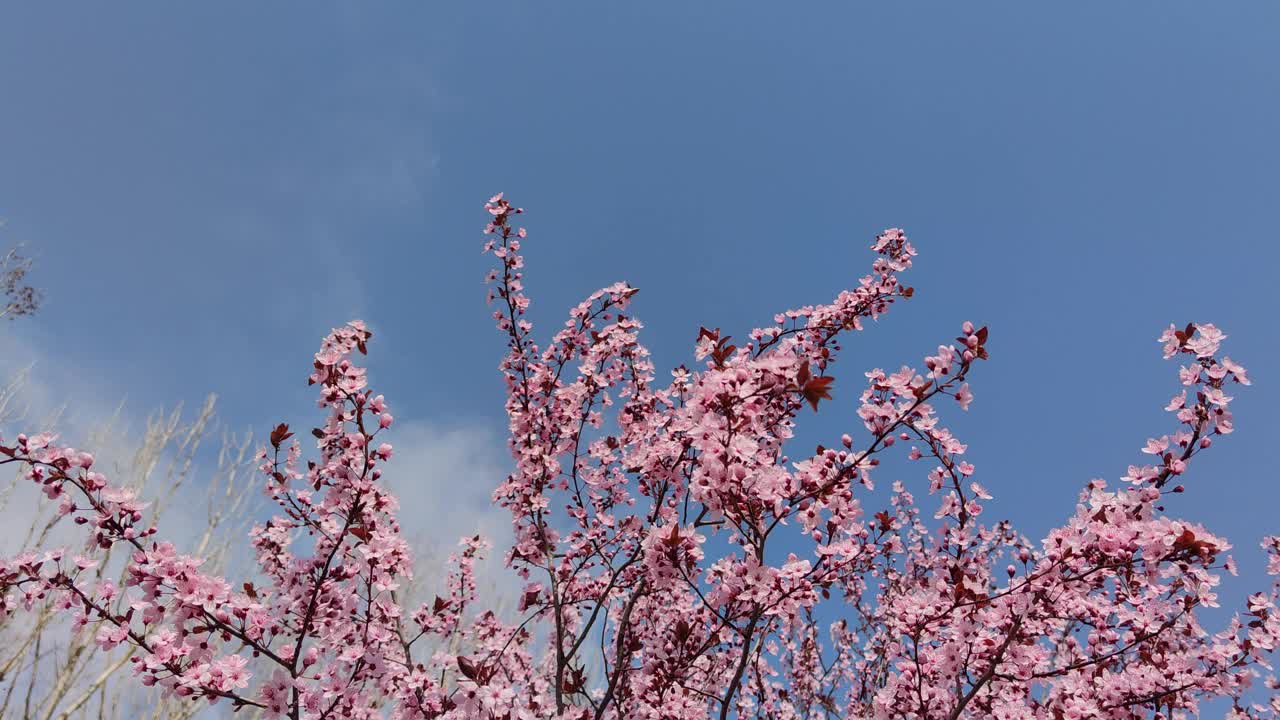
(679, 559)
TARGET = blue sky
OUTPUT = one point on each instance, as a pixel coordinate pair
(209, 188)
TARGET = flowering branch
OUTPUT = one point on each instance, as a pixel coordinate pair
(675, 557)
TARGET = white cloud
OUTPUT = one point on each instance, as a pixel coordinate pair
(444, 478)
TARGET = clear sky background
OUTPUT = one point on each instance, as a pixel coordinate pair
(208, 188)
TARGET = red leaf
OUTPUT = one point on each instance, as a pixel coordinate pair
(361, 532)
(279, 435)
(886, 522)
(575, 681)
(722, 350)
(818, 388)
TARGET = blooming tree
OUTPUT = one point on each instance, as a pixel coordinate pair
(677, 560)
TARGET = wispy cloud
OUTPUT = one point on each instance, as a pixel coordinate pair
(444, 476)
